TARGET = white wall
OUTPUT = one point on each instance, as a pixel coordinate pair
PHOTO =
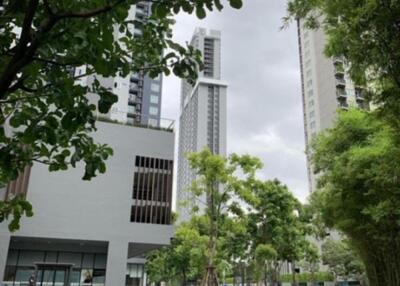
(67, 207)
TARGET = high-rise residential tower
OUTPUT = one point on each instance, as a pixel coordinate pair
(326, 86)
(202, 113)
(139, 96)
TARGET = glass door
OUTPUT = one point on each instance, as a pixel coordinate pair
(53, 275)
(47, 278)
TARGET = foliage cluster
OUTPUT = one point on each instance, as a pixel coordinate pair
(359, 189)
(248, 223)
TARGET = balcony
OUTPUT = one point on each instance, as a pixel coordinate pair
(339, 69)
(337, 60)
(132, 99)
(341, 93)
(340, 82)
(343, 105)
(359, 93)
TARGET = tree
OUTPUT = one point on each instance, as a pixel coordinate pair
(367, 34)
(182, 260)
(47, 109)
(342, 261)
(359, 189)
(310, 262)
(275, 221)
(218, 184)
(265, 256)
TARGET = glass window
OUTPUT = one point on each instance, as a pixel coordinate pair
(12, 257)
(312, 125)
(24, 273)
(312, 114)
(308, 63)
(86, 277)
(309, 72)
(153, 110)
(27, 257)
(87, 260)
(100, 261)
(59, 278)
(70, 257)
(310, 92)
(309, 83)
(51, 256)
(155, 87)
(154, 99)
(311, 103)
(9, 274)
(99, 277)
(75, 277)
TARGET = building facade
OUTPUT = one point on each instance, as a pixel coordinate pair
(202, 121)
(139, 96)
(326, 87)
(94, 232)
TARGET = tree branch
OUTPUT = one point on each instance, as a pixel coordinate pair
(48, 8)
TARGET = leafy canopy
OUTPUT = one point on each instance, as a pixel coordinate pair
(359, 190)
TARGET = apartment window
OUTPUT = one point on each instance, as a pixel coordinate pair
(309, 83)
(312, 124)
(310, 92)
(307, 53)
(312, 114)
(311, 103)
(309, 73)
(153, 110)
(154, 99)
(308, 63)
(155, 87)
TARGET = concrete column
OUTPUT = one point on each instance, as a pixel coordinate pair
(116, 263)
(4, 244)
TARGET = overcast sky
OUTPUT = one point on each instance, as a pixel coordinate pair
(261, 65)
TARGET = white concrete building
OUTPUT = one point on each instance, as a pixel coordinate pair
(94, 232)
(326, 86)
(202, 121)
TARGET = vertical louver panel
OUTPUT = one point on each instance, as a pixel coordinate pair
(152, 190)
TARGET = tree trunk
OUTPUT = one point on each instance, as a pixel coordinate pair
(210, 278)
(294, 282)
(384, 269)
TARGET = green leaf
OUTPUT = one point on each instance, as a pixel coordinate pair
(236, 3)
(200, 12)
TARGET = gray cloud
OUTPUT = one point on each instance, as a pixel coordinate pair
(261, 65)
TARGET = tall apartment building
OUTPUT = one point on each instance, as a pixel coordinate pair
(326, 86)
(139, 96)
(94, 233)
(202, 114)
